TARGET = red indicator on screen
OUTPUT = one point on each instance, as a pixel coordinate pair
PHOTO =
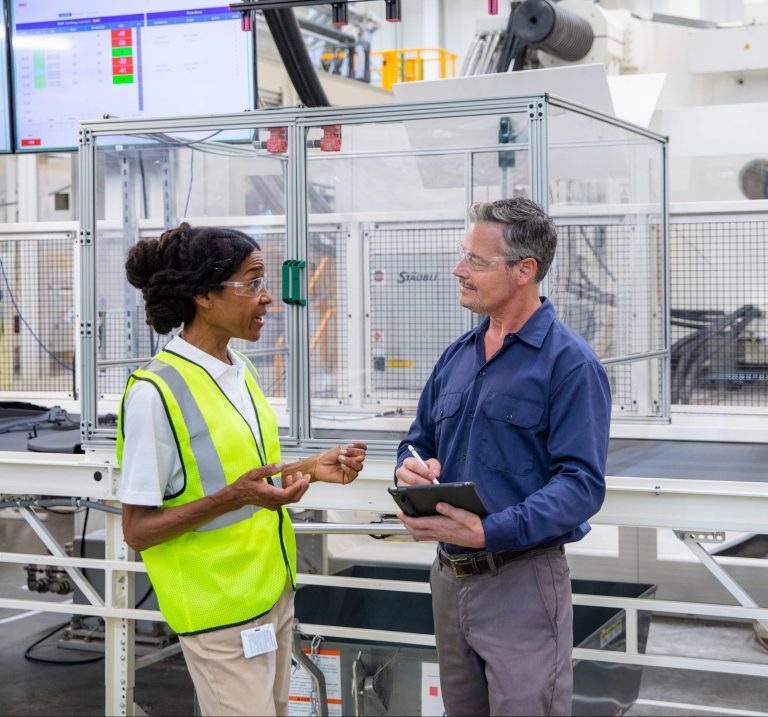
(122, 65)
(121, 38)
(30, 142)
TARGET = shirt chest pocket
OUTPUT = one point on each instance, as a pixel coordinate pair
(508, 438)
(446, 412)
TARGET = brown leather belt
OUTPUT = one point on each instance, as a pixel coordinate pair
(477, 563)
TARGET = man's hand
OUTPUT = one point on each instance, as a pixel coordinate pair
(411, 472)
(453, 525)
(251, 488)
(340, 464)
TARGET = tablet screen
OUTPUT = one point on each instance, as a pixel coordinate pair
(421, 500)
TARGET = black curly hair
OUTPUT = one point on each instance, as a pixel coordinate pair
(182, 263)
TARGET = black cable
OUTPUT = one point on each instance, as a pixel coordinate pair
(505, 53)
(45, 661)
(293, 52)
(595, 253)
(691, 354)
(82, 555)
(146, 595)
(42, 660)
(175, 141)
(16, 307)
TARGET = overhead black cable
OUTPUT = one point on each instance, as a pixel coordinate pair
(290, 44)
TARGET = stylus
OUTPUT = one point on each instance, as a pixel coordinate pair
(421, 461)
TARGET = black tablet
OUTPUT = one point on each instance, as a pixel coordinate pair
(420, 500)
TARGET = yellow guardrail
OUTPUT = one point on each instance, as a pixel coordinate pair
(408, 65)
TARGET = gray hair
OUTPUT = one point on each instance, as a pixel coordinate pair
(528, 229)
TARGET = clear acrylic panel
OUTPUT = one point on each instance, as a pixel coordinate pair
(605, 187)
(498, 175)
(383, 304)
(144, 187)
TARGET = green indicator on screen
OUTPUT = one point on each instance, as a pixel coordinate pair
(122, 79)
(122, 51)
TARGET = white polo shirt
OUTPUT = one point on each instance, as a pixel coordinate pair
(151, 463)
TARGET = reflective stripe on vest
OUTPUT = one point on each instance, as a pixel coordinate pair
(233, 568)
(206, 456)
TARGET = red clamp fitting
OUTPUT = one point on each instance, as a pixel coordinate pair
(331, 141)
(278, 140)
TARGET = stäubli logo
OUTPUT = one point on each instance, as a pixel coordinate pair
(405, 276)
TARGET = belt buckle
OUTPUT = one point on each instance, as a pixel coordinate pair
(461, 562)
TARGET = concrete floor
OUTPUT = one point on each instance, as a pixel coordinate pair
(31, 689)
(28, 688)
(711, 693)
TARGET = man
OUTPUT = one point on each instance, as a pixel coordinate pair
(521, 406)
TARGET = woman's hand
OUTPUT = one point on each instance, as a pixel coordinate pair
(340, 464)
(251, 488)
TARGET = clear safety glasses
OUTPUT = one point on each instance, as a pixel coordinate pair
(248, 288)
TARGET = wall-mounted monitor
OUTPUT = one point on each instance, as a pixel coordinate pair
(6, 144)
(83, 59)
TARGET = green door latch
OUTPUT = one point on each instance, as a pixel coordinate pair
(292, 269)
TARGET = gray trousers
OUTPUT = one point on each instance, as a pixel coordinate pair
(504, 640)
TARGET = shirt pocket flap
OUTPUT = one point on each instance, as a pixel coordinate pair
(447, 405)
(517, 411)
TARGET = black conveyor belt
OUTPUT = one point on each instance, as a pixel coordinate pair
(22, 430)
(697, 460)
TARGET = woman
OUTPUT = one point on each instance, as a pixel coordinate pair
(199, 453)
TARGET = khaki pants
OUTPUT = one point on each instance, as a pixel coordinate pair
(226, 682)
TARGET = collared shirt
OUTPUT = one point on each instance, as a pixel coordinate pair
(529, 427)
(151, 462)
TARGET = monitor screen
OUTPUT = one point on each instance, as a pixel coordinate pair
(73, 61)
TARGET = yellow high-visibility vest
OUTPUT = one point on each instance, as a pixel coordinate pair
(233, 568)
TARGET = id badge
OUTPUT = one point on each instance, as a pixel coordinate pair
(258, 640)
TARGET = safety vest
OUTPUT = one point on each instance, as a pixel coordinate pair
(233, 568)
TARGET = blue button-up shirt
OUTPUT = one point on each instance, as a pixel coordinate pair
(529, 426)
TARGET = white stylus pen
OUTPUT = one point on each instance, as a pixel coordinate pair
(421, 461)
